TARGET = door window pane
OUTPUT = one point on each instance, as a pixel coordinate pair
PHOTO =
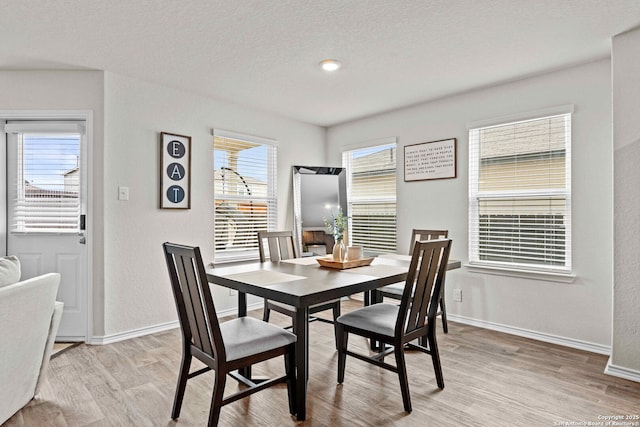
(47, 192)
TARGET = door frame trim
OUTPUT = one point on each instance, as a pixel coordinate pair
(87, 116)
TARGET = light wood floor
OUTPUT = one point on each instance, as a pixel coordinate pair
(491, 379)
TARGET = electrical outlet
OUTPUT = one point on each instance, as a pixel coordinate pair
(457, 295)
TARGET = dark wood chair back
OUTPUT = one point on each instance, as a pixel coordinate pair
(203, 338)
(419, 234)
(421, 295)
(281, 245)
(196, 311)
(400, 326)
(395, 292)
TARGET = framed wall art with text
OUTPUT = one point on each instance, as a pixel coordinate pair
(175, 171)
(430, 160)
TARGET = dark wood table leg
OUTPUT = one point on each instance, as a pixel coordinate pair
(242, 312)
(301, 329)
(242, 304)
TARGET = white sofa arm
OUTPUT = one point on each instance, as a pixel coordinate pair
(26, 318)
(51, 338)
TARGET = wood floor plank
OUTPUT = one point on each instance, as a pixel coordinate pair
(491, 379)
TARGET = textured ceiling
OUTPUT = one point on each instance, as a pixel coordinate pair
(264, 54)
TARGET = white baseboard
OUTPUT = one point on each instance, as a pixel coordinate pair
(234, 311)
(553, 339)
(567, 342)
(619, 371)
(135, 333)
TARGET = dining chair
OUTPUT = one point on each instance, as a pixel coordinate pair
(281, 246)
(222, 347)
(395, 291)
(398, 325)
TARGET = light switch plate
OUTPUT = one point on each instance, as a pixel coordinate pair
(123, 193)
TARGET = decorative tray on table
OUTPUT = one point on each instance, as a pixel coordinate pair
(343, 265)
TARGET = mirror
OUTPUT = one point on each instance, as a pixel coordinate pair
(318, 193)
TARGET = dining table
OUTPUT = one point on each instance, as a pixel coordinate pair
(303, 282)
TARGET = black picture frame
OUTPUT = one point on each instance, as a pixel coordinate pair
(430, 160)
(175, 171)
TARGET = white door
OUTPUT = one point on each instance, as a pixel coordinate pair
(46, 194)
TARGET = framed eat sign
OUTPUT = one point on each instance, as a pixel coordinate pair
(175, 171)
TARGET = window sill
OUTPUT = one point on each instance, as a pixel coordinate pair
(525, 274)
(239, 257)
(46, 232)
(231, 262)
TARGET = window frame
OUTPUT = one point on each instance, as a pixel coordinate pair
(561, 273)
(347, 164)
(69, 223)
(270, 199)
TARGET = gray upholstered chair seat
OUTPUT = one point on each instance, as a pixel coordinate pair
(378, 318)
(311, 307)
(247, 336)
(396, 289)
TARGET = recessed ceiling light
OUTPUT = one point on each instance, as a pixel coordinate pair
(330, 64)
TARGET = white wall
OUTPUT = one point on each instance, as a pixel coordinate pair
(131, 288)
(625, 357)
(136, 287)
(67, 90)
(579, 313)
(130, 283)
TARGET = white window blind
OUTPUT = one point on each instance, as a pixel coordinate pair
(371, 195)
(46, 194)
(245, 194)
(520, 194)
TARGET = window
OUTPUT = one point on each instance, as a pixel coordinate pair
(245, 193)
(45, 191)
(520, 194)
(371, 196)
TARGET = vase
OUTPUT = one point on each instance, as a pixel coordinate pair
(339, 251)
